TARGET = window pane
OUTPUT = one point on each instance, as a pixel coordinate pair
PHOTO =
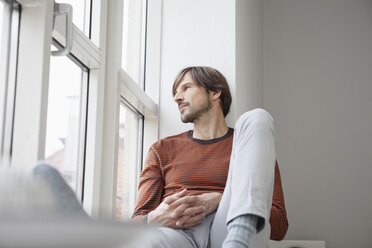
(66, 119)
(9, 26)
(96, 18)
(129, 160)
(80, 13)
(133, 39)
(3, 70)
(1, 17)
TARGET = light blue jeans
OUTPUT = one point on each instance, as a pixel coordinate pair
(65, 203)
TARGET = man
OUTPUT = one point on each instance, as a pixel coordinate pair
(185, 175)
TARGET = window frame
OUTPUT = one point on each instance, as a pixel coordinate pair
(32, 83)
(145, 101)
(8, 68)
(35, 41)
(139, 155)
(108, 83)
(93, 58)
(85, 76)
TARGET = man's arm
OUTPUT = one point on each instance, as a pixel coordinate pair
(150, 194)
(165, 214)
(278, 216)
(150, 189)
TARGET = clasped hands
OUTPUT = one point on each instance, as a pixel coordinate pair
(181, 210)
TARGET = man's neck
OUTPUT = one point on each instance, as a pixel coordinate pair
(210, 127)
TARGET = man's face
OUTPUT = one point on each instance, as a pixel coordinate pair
(193, 101)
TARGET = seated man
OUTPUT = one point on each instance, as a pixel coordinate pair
(213, 186)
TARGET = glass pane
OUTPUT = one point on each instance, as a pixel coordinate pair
(129, 160)
(9, 26)
(80, 13)
(96, 18)
(63, 148)
(3, 71)
(1, 17)
(133, 39)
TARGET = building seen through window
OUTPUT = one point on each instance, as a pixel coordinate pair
(129, 159)
(64, 147)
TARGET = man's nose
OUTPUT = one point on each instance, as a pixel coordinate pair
(178, 97)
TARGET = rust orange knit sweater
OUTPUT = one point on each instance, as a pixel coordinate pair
(201, 166)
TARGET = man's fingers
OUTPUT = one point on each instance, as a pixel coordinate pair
(187, 209)
(186, 199)
(179, 211)
(170, 199)
(182, 204)
(195, 218)
(194, 210)
(183, 219)
(189, 221)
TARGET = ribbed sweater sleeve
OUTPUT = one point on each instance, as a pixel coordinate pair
(151, 187)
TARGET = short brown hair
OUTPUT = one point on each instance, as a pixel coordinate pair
(211, 80)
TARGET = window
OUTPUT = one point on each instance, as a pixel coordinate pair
(52, 98)
(138, 109)
(86, 17)
(129, 160)
(81, 13)
(134, 33)
(3, 80)
(65, 135)
(9, 26)
(69, 110)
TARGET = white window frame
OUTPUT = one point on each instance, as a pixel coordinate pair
(119, 84)
(94, 59)
(32, 83)
(107, 84)
(32, 87)
(8, 67)
(137, 160)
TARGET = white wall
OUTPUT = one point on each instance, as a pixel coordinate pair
(318, 86)
(223, 34)
(310, 64)
(248, 85)
(194, 32)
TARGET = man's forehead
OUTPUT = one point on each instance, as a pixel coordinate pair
(186, 80)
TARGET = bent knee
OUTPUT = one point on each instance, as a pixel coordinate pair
(256, 118)
(44, 170)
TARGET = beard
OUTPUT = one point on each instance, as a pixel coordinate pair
(192, 114)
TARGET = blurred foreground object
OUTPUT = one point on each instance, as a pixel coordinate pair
(38, 209)
(72, 234)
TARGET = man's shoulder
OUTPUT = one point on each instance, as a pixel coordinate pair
(173, 140)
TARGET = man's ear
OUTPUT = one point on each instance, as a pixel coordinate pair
(215, 94)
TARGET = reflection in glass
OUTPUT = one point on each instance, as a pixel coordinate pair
(134, 18)
(64, 138)
(129, 159)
